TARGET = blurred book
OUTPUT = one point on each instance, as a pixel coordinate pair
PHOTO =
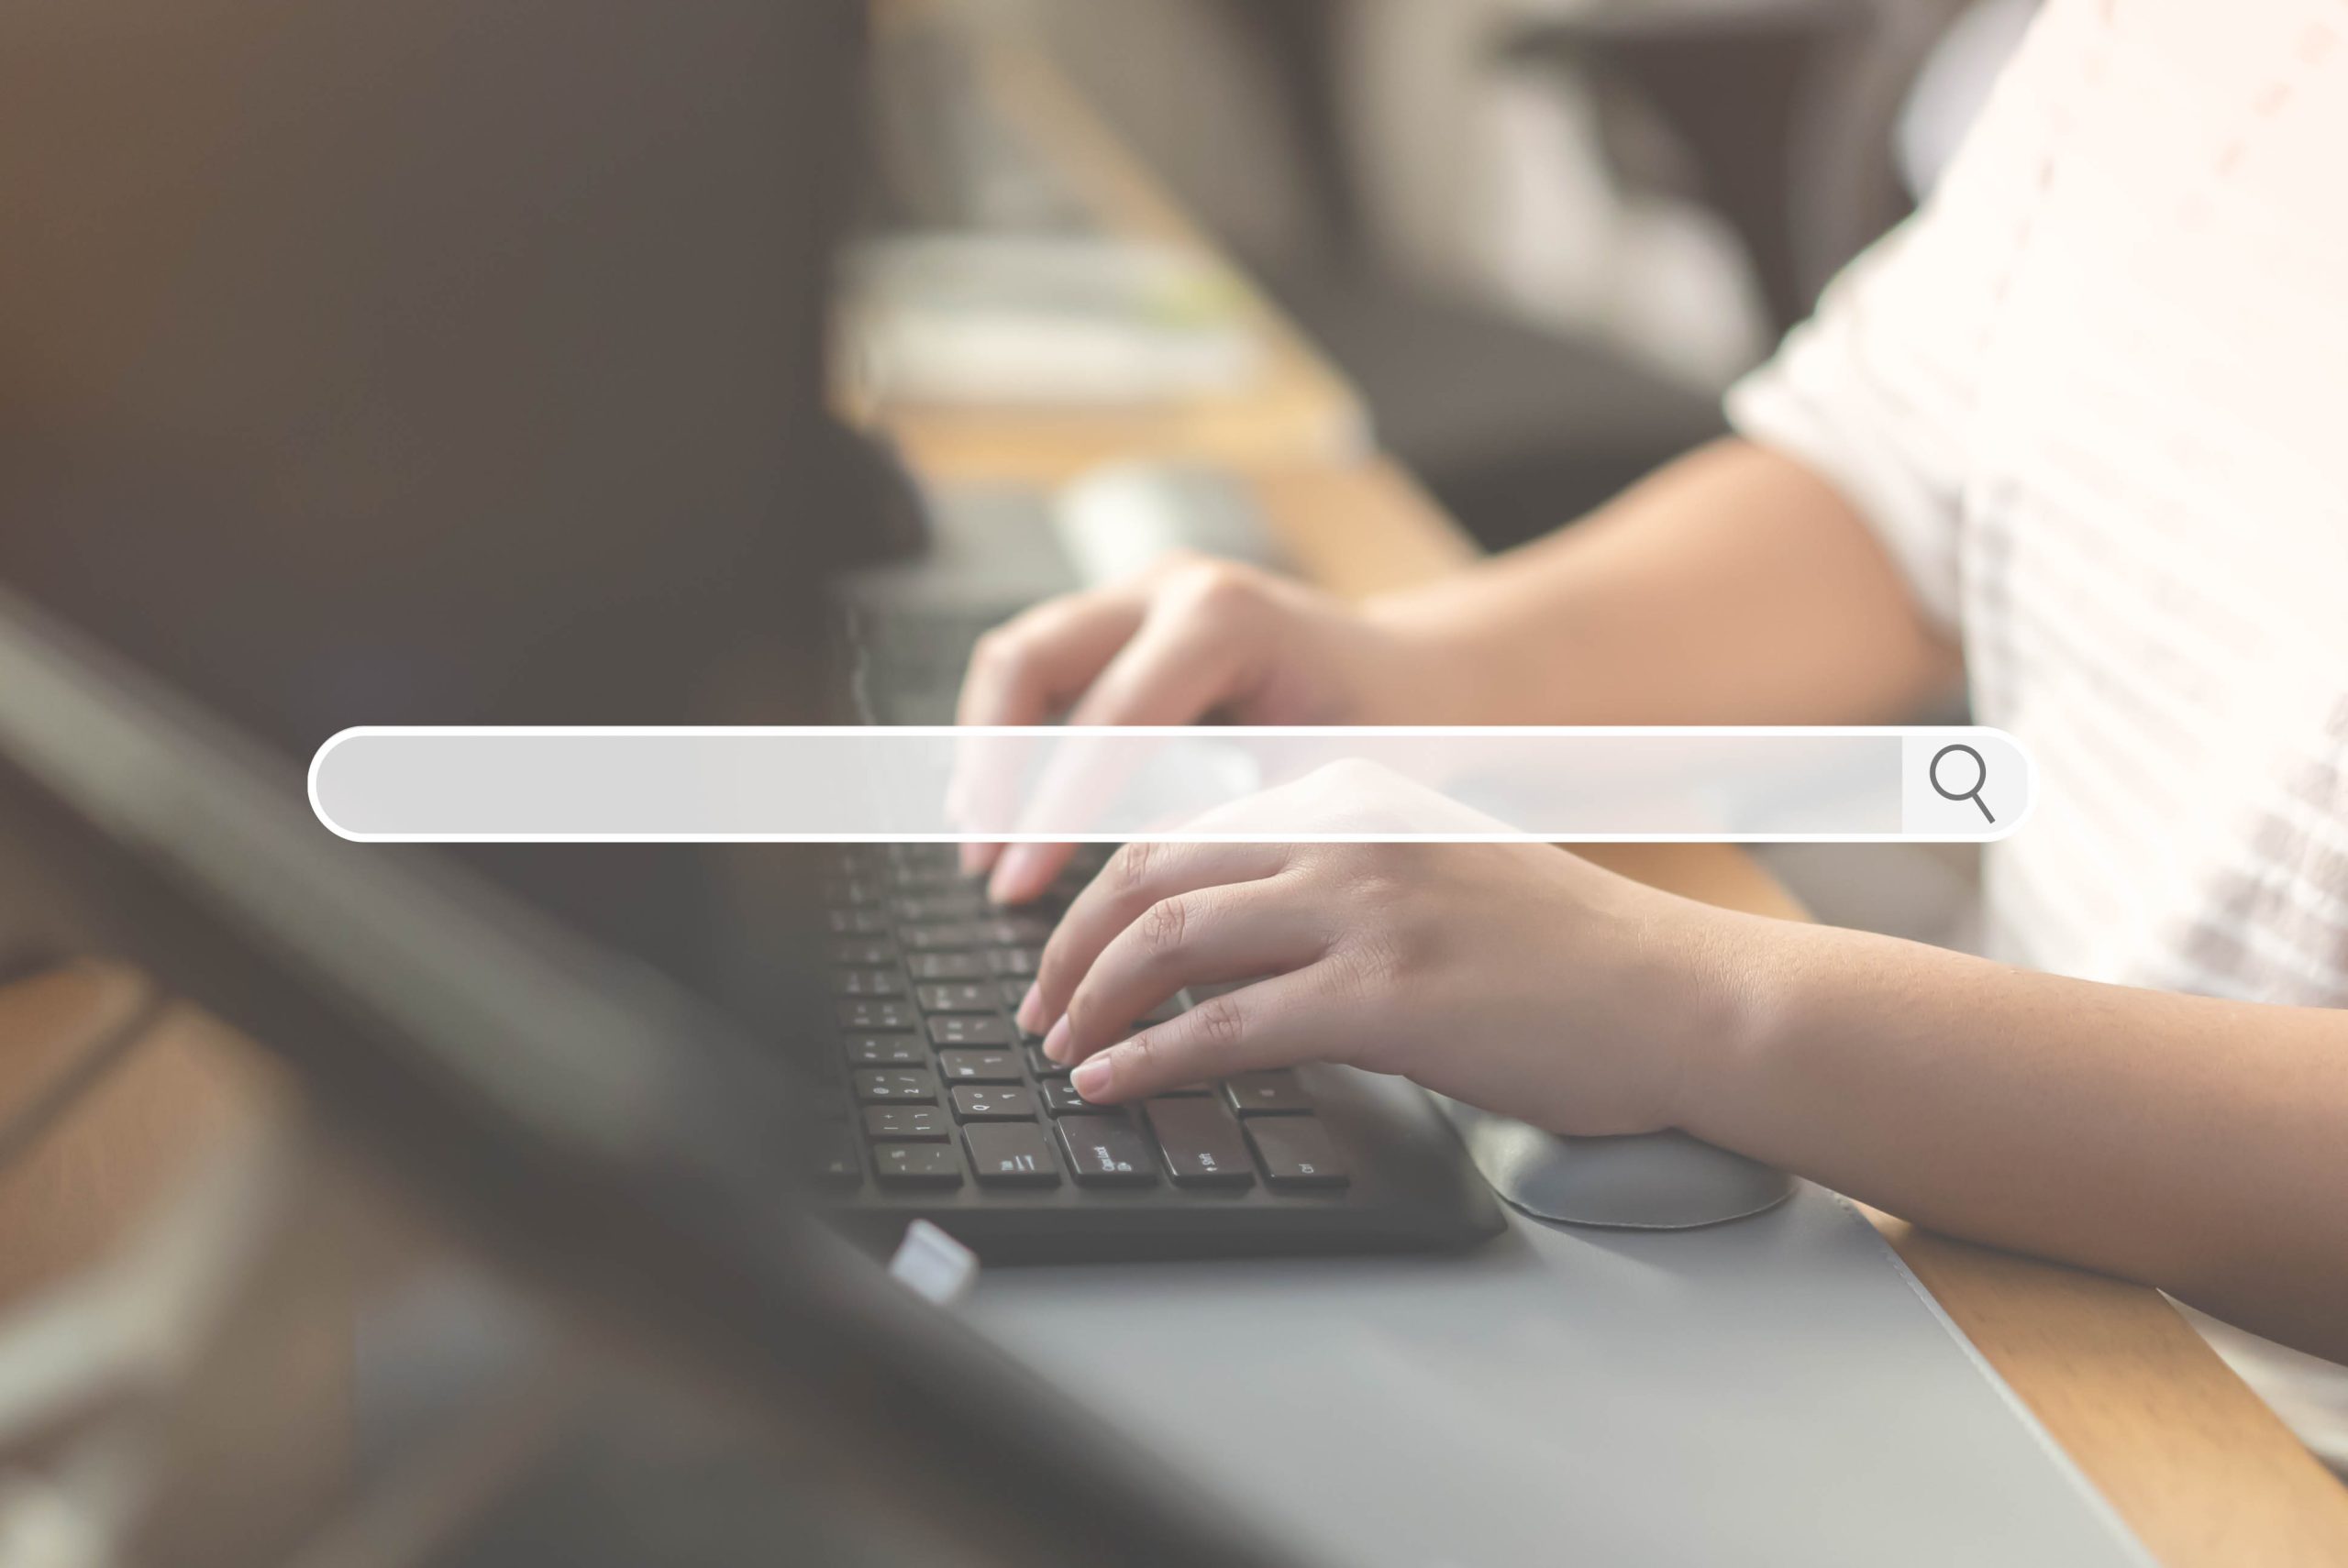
(1043, 320)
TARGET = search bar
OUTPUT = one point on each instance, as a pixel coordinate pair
(947, 784)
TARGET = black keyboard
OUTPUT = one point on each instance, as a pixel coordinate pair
(908, 663)
(948, 1110)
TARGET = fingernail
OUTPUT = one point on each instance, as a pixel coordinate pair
(1056, 1042)
(1092, 1080)
(1030, 1012)
(1014, 874)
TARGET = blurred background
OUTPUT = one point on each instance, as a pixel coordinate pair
(1539, 238)
(1542, 236)
(1536, 239)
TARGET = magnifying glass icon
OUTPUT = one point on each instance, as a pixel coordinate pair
(1980, 777)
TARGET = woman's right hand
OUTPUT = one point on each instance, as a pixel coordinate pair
(1188, 639)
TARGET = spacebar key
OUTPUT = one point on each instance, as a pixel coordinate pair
(1105, 1151)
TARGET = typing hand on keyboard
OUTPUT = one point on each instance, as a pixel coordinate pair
(1190, 637)
(924, 973)
(1516, 978)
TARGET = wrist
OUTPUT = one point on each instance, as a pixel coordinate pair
(1741, 985)
(1435, 666)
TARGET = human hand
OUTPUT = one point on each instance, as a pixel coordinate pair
(1516, 978)
(1192, 637)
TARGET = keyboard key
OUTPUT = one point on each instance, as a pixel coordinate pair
(1275, 1092)
(906, 1123)
(1060, 1098)
(861, 922)
(1296, 1151)
(1014, 993)
(979, 1102)
(877, 1014)
(1012, 1154)
(851, 890)
(978, 1066)
(934, 967)
(881, 1086)
(967, 1028)
(1043, 1067)
(917, 1165)
(1191, 1091)
(954, 904)
(957, 998)
(868, 982)
(943, 936)
(935, 878)
(1015, 963)
(1104, 1151)
(1201, 1141)
(885, 1050)
(1014, 930)
(865, 952)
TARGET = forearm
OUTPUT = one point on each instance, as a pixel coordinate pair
(1734, 587)
(2195, 1144)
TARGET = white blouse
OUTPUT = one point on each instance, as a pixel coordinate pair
(2094, 399)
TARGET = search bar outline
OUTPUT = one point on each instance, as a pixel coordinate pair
(459, 784)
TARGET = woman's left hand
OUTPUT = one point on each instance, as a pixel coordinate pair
(1516, 978)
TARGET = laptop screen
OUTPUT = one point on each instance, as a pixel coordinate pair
(428, 362)
(438, 362)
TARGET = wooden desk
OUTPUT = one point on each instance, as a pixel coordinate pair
(2201, 1470)
(113, 1101)
(1295, 407)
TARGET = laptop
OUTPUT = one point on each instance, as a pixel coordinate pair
(377, 365)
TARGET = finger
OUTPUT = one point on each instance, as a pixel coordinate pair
(1297, 1017)
(1178, 666)
(1038, 661)
(985, 784)
(1081, 774)
(1136, 877)
(1026, 671)
(1237, 931)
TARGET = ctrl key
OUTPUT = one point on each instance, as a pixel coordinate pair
(1296, 1151)
(916, 1164)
